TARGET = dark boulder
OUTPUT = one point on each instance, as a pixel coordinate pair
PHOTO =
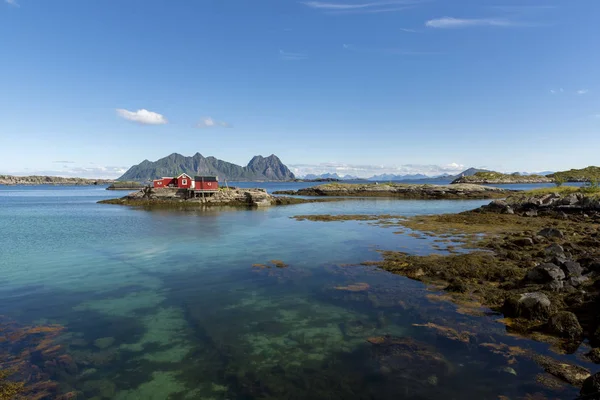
(528, 305)
(551, 233)
(523, 242)
(545, 273)
(499, 206)
(565, 324)
(591, 387)
(572, 269)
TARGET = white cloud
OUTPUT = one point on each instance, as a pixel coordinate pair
(366, 171)
(208, 122)
(582, 91)
(12, 3)
(362, 8)
(98, 172)
(409, 30)
(284, 55)
(142, 116)
(341, 6)
(451, 22)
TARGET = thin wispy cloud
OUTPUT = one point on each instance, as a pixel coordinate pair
(524, 9)
(64, 162)
(142, 116)
(287, 56)
(582, 91)
(208, 122)
(390, 51)
(453, 23)
(375, 7)
(409, 30)
(12, 3)
(556, 91)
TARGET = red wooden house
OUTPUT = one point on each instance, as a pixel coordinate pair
(206, 183)
(183, 181)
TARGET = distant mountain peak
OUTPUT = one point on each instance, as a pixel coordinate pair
(258, 169)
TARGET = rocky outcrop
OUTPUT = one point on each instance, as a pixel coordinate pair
(51, 180)
(407, 191)
(497, 178)
(178, 198)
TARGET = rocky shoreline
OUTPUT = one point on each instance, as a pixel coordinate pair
(533, 258)
(405, 191)
(177, 198)
(10, 180)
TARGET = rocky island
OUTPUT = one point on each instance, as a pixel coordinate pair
(51, 180)
(405, 191)
(178, 198)
(498, 178)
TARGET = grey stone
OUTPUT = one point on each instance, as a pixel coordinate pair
(531, 213)
(545, 273)
(572, 269)
(555, 250)
(577, 281)
(551, 233)
(555, 286)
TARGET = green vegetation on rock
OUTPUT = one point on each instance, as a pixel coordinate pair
(588, 174)
(492, 177)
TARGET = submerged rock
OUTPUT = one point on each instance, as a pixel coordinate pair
(570, 373)
(528, 305)
(565, 324)
(404, 357)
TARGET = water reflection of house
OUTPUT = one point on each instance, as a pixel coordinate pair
(184, 181)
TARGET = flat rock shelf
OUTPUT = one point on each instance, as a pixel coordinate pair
(406, 191)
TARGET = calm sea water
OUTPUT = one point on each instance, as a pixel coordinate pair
(168, 305)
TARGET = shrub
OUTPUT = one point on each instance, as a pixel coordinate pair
(559, 180)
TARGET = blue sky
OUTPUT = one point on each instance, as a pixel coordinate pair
(92, 87)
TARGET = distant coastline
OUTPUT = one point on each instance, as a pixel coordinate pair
(9, 180)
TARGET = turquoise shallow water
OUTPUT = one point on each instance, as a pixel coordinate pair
(168, 305)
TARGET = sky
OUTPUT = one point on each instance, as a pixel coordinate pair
(360, 87)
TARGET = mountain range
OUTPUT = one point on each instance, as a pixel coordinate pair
(413, 177)
(258, 169)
